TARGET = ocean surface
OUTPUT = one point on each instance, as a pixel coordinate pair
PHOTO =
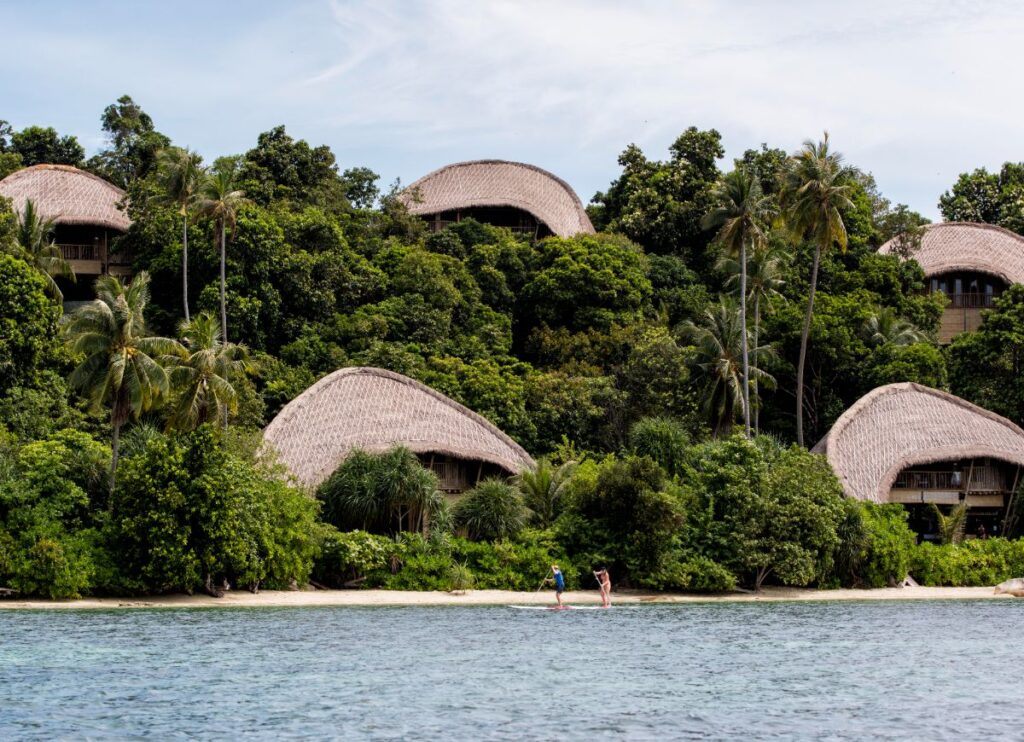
(934, 670)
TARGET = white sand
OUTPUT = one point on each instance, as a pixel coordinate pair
(276, 599)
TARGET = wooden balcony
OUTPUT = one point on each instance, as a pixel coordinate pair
(980, 486)
(88, 260)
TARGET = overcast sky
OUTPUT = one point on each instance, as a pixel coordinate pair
(915, 92)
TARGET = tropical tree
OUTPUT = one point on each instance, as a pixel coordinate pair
(220, 200)
(118, 366)
(950, 527)
(816, 190)
(742, 215)
(33, 243)
(886, 327)
(382, 493)
(543, 487)
(202, 377)
(180, 174)
(766, 266)
(718, 350)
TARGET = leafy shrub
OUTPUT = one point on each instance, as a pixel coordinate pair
(883, 557)
(973, 563)
(492, 510)
(695, 574)
(346, 558)
(663, 439)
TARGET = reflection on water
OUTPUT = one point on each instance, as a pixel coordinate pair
(940, 670)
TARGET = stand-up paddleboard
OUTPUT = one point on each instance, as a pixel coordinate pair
(556, 608)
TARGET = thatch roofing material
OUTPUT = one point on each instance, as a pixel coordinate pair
(375, 410)
(67, 195)
(500, 183)
(967, 246)
(898, 426)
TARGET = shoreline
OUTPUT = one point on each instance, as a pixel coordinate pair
(398, 598)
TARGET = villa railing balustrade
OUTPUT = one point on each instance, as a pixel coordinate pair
(79, 252)
(982, 479)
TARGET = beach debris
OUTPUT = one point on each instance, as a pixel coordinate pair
(1014, 587)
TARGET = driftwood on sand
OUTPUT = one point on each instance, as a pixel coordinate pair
(1014, 587)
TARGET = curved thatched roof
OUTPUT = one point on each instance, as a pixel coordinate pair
(374, 410)
(968, 246)
(465, 185)
(902, 425)
(67, 195)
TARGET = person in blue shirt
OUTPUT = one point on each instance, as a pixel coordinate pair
(559, 580)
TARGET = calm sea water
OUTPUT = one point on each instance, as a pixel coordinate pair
(936, 670)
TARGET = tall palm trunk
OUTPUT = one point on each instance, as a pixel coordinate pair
(743, 338)
(804, 339)
(114, 445)
(223, 302)
(184, 264)
(757, 340)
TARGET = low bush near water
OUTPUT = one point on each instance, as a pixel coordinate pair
(974, 563)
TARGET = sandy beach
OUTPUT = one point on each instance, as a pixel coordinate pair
(355, 598)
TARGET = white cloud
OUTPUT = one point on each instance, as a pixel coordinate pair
(915, 91)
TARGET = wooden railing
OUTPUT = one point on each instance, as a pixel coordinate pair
(79, 252)
(971, 301)
(436, 225)
(982, 479)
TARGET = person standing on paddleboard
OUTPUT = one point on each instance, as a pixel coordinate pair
(604, 583)
(559, 580)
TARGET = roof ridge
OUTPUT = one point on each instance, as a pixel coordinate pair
(66, 169)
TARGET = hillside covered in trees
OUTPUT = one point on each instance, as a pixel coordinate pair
(616, 358)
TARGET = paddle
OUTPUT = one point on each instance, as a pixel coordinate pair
(542, 581)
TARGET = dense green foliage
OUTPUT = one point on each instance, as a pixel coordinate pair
(616, 358)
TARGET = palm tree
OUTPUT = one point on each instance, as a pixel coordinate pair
(202, 377)
(543, 487)
(33, 243)
(119, 367)
(491, 511)
(766, 265)
(180, 174)
(815, 193)
(950, 527)
(220, 201)
(885, 327)
(742, 215)
(718, 349)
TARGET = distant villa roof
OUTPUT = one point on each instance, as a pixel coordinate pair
(375, 410)
(969, 246)
(67, 195)
(898, 426)
(478, 183)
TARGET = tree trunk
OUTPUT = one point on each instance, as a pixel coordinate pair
(184, 265)
(223, 279)
(743, 338)
(113, 459)
(757, 340)
(804, 339)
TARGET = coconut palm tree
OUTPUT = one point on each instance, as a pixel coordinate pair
(542, 489)
(885, 327)
(220, 201)
(816, 190)
(118, 367)
(33, 243)
(180, 174)
(742, 214)
(766, 266)
(202, 378)
(718, 351)
(950, 527)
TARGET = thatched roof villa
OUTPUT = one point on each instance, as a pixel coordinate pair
(86, 211)
(971, 264)
(524, 198)
(915, 445)
(375, 410)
